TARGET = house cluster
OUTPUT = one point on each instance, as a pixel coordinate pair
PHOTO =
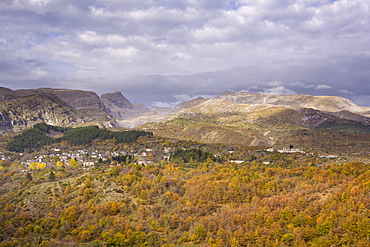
(288, 150)
(291, 150)
(147, 157)
(88, 158)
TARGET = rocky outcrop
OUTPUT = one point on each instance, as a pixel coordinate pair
(120, 107)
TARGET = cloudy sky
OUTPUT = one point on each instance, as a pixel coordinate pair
(159, 52)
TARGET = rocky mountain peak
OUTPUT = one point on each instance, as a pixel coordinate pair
(122, 108)
(191, 103)
(116, 100)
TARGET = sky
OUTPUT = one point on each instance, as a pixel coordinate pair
(161, 53)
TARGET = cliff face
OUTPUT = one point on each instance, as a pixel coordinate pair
(22, 109)
(20, 113)
(78, 99)
(116, 100)
(120, 107)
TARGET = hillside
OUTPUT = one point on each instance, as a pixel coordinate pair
(187, 204)
(42, 134)
(220, 121)
(322, 103)
(202, 175)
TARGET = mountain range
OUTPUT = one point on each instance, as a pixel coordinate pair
(232, 117)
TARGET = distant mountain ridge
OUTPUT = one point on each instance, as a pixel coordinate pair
(322, 103)
(78, 99)
(232, 117)
(266, 122)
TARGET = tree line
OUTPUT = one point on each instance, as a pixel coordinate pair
(40, 135)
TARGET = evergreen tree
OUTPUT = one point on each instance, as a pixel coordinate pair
(29, 176)
(52, 176)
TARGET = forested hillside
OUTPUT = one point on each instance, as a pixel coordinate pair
(187, 204)
(43, 134)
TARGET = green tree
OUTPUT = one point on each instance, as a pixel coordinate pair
(52, 176)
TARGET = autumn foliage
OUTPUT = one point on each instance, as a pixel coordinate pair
(170, 204)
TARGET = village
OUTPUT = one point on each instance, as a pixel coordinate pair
(87, 158)
(143, 153)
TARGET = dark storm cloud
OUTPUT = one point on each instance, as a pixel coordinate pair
(165, 51)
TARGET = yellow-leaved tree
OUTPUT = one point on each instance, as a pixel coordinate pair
(37, 166)
(73, 163)
(58, 164)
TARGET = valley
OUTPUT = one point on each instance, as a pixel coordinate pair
(241, 169)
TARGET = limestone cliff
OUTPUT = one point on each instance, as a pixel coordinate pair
(116, 100)
(20, 113)
(78, 99)
(120, 107)
(22, 109)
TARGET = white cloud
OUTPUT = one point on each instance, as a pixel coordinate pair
(180, 98)
(252, 88)
(279, 90)
(186, 97)
(165, 104)
(183, 97)
(323, 86)
(345, 91)
(275, 44)
(302, 85)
